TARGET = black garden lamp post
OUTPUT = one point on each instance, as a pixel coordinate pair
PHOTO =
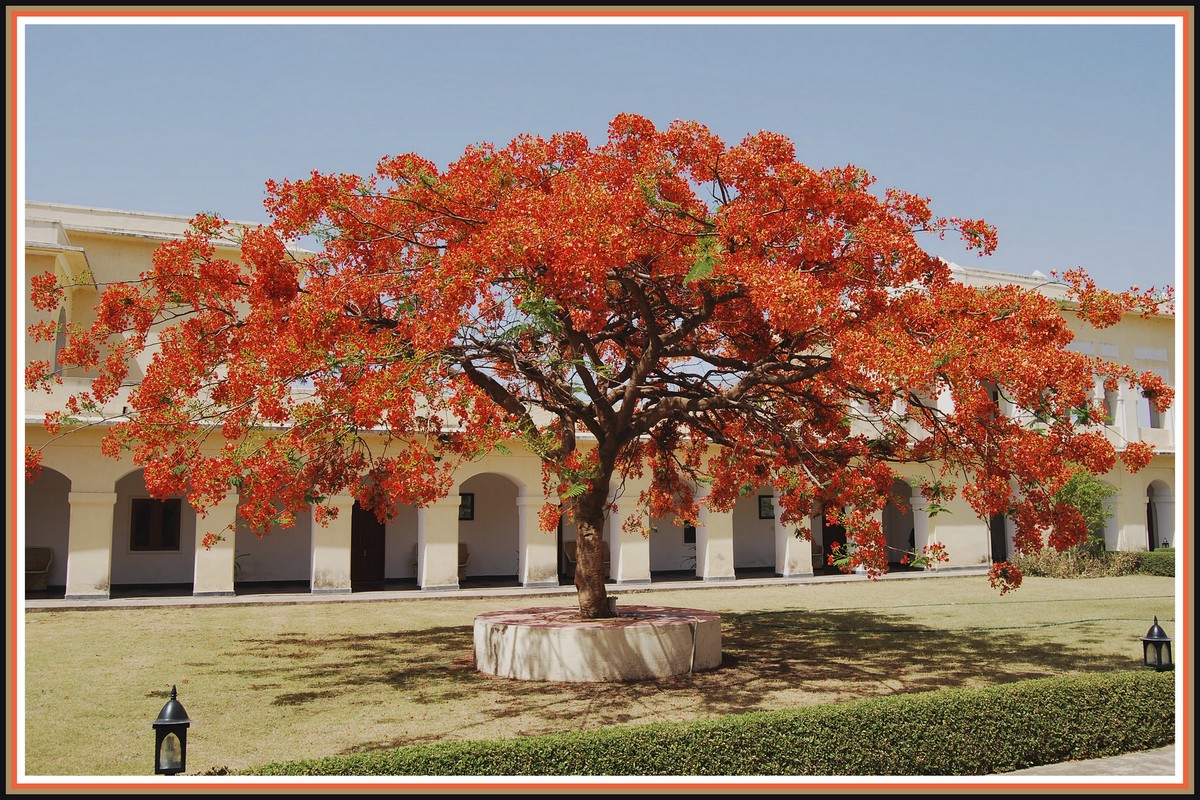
(1156, 646)
(170, 738)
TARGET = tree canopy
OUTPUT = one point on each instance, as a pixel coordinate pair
(660, 305)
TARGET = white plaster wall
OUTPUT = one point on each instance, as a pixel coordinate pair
(400, 540)
(1112, 528)
(492, 537)
(667, 550)
(48, 520)
(1131, 502)
(966, 536)
(753, 538)
(176, 566)
(282, 554)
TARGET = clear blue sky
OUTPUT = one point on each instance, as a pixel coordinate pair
(1061, 135)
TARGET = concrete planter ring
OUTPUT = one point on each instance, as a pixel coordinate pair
(556, 644)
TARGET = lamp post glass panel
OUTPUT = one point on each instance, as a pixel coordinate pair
(170, 738)
(1156, 648)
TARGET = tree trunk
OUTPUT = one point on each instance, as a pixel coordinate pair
(589, 553)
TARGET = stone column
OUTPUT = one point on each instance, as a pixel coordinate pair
(537, 560)
(793, 555)
(1128, 411)
(1119, 416)
(1131, 503)
(629, 552)
(922, 524)
(89, 546)
(331, 549)
(437, 544)
(214, 567)
(714, 545)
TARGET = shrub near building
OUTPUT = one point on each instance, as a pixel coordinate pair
(1157, 562)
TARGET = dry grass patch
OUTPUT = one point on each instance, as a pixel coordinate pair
(280, 682)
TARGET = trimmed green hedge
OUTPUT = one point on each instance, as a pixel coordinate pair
(1157, 562)
(973, 731)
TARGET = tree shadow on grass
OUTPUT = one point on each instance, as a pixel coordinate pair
(862, 653)
(772, 659)
(434, 663)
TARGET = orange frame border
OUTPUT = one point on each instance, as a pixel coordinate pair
(1185, 17)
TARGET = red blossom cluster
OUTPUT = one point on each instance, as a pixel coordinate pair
(209, 540)
(1104, 308)
(1005, 577)
(1137, 455)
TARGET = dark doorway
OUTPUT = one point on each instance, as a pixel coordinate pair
(367, 535)
(830, 534)
(1151, 519)
(999, 537)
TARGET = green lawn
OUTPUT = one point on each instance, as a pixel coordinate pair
(270, 683)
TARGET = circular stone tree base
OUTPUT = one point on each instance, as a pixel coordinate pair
(556, 644)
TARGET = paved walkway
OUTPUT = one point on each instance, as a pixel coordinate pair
(165, 599)
(1152, 763)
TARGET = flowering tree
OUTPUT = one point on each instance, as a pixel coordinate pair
(662, 305)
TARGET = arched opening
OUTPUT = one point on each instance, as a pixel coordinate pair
(489, 527)
(47, 526)
(400, 551)
(1160, 516)
(383, 555)
(154, 542)
(898, 528)
(279, 561)
(754, 534)
(673, 549)
(1149, 416)
(1111, 400)
(828, 534)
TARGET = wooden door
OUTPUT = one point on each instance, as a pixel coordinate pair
(367, 536)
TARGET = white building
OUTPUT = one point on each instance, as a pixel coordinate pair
(108, 536)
